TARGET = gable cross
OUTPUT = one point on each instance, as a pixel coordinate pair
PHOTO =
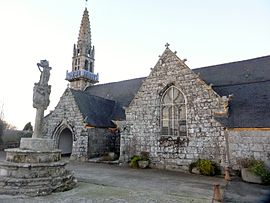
(167, 45)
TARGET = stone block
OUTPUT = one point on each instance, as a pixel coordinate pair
(143, 164)
(250, 177)
(37, 144)
(3, 172)
(30, 156)
(34, 179)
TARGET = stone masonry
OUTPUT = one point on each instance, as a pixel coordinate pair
(67, 114)
(205, 136)
(102, 141)
(248, 144)
(87, 142)
(36, 167)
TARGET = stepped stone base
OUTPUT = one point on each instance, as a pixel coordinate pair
(34, 173)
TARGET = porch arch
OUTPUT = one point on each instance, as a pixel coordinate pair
(64, 137)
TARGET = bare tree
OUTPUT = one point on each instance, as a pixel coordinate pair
(3, 124)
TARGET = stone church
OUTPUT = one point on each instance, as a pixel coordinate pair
(176, 114)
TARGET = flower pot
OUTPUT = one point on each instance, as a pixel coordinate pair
(143, 164)
(249, 176)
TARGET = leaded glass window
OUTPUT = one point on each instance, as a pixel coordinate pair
(173, 113)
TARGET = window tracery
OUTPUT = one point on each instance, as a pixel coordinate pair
(173, 113)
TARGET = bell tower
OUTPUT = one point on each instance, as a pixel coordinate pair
(83, 60)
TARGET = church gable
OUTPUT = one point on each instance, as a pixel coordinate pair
(66, 110)
(174, 113)
(172, 71)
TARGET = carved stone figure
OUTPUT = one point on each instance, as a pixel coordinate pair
(41, 89)
(45, 74)
(41, 96)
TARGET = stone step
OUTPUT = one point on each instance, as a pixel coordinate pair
(37, 186)
(34, 178)
(22, 171)
(34, 181)
(33, 165)
(23, 182)
(18, 155)
(26, 191)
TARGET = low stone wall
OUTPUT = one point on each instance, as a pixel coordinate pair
(248, 144)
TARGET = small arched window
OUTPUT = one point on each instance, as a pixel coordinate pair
(173, 113)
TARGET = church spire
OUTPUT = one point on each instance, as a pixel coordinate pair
(82, 74)
(85, 30)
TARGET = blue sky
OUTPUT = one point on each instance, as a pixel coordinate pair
(128, 36)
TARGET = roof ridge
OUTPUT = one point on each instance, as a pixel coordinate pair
(109, 83)
(243, 83)
(233, 62)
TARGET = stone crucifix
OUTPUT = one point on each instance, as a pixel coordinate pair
(41, 96)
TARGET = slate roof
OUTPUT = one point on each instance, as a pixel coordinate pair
(97, 111)
(249, 83)
(123, 92)
(247, 71)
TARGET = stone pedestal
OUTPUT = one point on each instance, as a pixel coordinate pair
(34, 169)
(37, 144)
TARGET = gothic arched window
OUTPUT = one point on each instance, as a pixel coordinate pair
(173, 113)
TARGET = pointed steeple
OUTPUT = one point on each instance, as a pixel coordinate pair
(85, 30)
(82, 74)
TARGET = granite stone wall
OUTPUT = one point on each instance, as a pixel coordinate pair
(102, 141)
(142, 132)
(87, 142)
(67, 115)
(248, 144)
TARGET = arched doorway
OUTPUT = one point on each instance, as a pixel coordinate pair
(65, 142)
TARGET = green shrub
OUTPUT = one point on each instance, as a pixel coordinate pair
(205, 167)
(259, 168)
(134, 161)
(144, 156)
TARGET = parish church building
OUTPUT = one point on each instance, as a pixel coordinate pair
(176, 114)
